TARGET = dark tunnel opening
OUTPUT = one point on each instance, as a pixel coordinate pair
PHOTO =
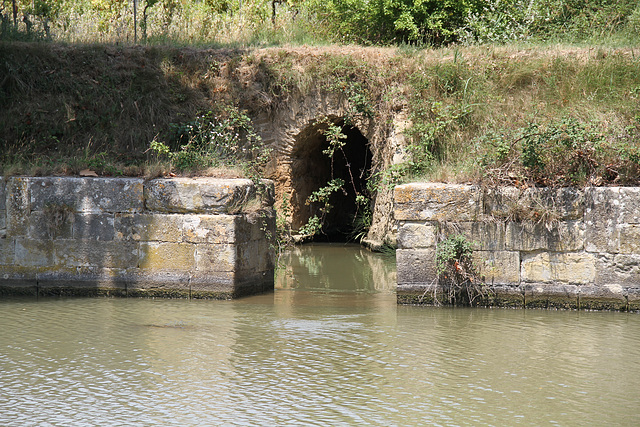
(312, 170)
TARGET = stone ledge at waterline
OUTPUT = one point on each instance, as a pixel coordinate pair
(565, 247)
(178, 237)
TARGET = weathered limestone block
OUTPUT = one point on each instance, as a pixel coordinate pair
(42, 226)
(620, 269)
(216, 257)
(93, 227)
(566, 236)
(498, 267)
(19, 280)
(437, 202)
(514, 204)
(7, 251)
(506, 296)
(18, 206)
(604, 297)
(484, 236)
(612, 216)
(413, 235)
(545, 267)
(416, 266)
(159, 256)
(159, 283)
(204, 282)
(423, 293)
(97, 254)
(607, 236)
(551, 295)
(214, 229)
(149, 227)
(3, 195)
(3, 207)
(33, 253)
(633, 299)
(87, 280)
(256, 226)
(3, 224)
(255, 256)
(629, 239)
(203, 195)
(88, 195)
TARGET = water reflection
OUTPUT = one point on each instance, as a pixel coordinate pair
(309, 356)
(336, 267)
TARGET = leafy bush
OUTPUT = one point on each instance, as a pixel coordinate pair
(561, 152)
(457, 275)
(223, 138)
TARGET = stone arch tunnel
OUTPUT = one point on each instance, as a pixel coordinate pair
(312, 168)
(299, 167)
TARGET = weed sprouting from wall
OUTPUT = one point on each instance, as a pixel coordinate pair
(457, 277)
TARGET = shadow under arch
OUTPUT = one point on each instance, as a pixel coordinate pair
(311, 169)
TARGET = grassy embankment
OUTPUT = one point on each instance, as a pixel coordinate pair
(544, 115)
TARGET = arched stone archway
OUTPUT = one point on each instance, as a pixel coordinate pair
(298, 166)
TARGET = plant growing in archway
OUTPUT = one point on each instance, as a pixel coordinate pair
(323, 199)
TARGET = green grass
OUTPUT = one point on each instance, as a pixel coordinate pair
(70, 107)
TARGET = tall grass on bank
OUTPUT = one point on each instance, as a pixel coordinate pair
(510, 114)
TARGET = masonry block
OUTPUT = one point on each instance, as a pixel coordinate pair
(416, 266)
(617, 269)
(419, 294)
(97, 254)
(437, 202)
(506, 296)
(254, 256)
(18, 206)
(149, 227)
(566, 236)
(3, 194)
(604, 297)
(483, 235)
(545, 267)
(214, 229)
(413, 235)
(511, 204)
(88, 195)
(551, 295)
(498, 267)
(33, 253)
(3, 224)
(17, 280)
(218, 257)
(87, 280)
(94, 226)
(47, 226)
(159, 283)
(202, 195)
(159, 256)
(7, 251)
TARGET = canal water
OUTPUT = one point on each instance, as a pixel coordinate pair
(329, 347)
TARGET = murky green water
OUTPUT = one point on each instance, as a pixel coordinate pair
(314, 353)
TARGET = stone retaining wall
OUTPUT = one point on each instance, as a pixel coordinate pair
(127, 236)
(570, 248)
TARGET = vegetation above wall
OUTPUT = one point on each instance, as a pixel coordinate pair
(550, 115)
(366, 22)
